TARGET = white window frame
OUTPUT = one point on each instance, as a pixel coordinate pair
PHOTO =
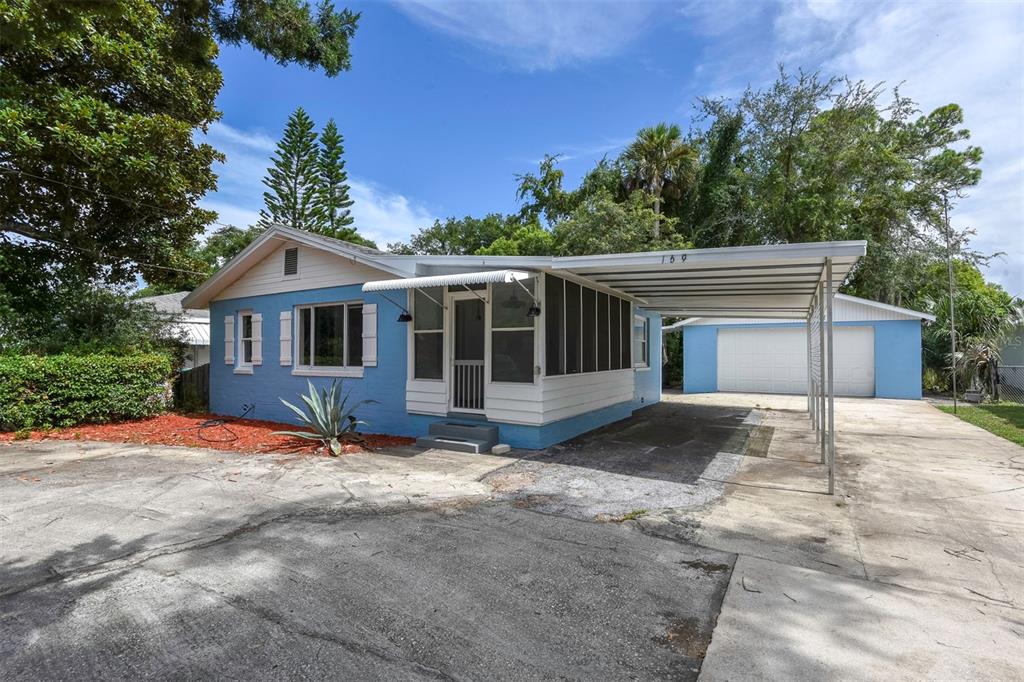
(490, 329)
(440, 330)
(241, 366)
(312, 369)
(645, 342)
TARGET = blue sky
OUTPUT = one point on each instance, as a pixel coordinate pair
(447, 102)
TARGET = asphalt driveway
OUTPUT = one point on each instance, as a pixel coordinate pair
(143, 562)
(136, 562)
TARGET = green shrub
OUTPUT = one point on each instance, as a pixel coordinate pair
(65, 390)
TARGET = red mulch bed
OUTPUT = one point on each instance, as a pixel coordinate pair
(241, 435)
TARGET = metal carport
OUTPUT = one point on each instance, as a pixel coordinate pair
(782, 281)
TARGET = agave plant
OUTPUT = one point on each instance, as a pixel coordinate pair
(330, 420)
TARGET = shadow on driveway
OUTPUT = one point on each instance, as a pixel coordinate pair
(666, 455)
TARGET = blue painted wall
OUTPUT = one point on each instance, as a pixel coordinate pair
(897, 356)
(898, 359)
(700, 359)
(384, 383)
(648, 382)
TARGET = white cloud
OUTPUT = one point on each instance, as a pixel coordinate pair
(222, 133)
(381, 215)
(968, 53)
(385, 216)
(536, 35)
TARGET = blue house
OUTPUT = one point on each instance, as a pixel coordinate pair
(540, 348)
(877, 352)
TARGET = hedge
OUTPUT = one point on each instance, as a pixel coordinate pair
(65, 390)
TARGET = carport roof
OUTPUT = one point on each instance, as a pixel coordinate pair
(776, 281)
(773, 281)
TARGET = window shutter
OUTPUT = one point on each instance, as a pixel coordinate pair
(286, 337)
(229, 339)
(257, 339)
(369, 335)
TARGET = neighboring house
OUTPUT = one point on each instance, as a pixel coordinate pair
(191, 325)
(877, 352)
(541, 348)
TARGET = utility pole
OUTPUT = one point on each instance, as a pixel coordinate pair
(952, 305)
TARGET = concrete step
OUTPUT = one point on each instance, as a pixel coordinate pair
(471, 445)
(462, 431)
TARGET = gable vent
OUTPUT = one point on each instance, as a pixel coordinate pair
(291, 261)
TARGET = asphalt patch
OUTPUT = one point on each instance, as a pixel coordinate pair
(491, 592)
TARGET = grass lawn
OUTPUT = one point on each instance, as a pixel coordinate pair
(1004, 419)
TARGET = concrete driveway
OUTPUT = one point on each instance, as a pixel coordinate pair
(125, 561)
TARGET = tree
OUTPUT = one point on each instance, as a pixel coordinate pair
(334, 204)
(602, 225)
(459, 236)
(542, 195)
(659, 158)
(293, 179)
(100, 170)
(530, 239)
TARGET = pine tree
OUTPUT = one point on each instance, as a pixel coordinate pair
(333, 201)
(294, 177)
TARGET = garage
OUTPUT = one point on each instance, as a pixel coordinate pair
(774, 360)
(877, 352)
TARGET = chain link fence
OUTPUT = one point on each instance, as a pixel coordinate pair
(1010, 383)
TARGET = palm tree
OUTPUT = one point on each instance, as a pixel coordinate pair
(658, 156)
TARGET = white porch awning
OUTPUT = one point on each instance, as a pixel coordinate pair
(453, 280)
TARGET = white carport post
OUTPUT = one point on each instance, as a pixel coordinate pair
(831, 382)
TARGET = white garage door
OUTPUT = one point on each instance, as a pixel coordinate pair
(775, 360)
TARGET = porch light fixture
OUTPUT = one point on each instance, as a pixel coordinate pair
(405, 316)
(534, 311)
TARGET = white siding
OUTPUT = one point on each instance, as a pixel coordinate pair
(426, 397)
(574, 394)
(317, 269)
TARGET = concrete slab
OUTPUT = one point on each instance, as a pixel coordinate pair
(787, 623)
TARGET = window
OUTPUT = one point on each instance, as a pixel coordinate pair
(641, 341)
(512, 332)
(589, 330)
(614, 333)
(330, 335)
(602, 333)
(573, 340)
(245, 339)
(585, 330)
(428, 333)
(554, 322)
(625, 315)
(291, 262)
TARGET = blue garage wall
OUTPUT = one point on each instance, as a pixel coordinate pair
(898, 359)
(700, 359)
(384, 383)
(897, 356)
